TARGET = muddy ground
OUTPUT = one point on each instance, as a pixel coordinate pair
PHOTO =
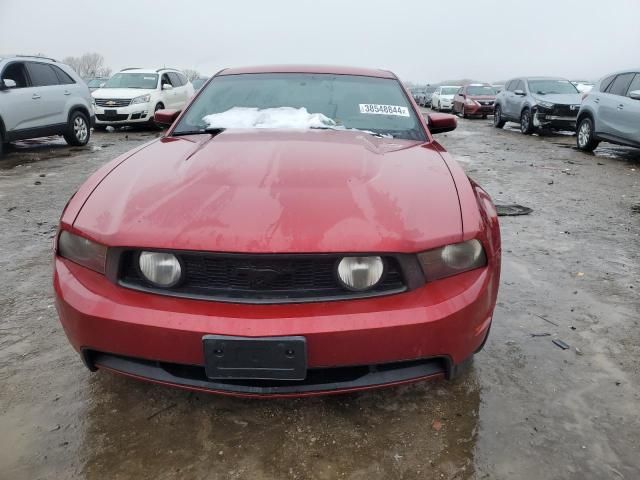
(527, 409)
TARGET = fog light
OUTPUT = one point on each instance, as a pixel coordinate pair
(160, 269)
(360, 273)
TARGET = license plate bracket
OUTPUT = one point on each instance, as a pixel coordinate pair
(264, 358)
(110, 113)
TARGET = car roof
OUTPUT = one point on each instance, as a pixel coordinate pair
(148, 70)
(28, 57)
(540, 78)
(329, 69)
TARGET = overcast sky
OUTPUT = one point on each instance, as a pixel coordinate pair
(423, 41)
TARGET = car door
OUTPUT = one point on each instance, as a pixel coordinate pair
(179, 89)
(435, 98)
(517, 101)
(612, 103)
(47, 93)
(169, 96)
(458, 100)
(507, 107)
(20, 110)
(627, 121)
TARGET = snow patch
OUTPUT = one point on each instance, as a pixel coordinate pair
(280, 117)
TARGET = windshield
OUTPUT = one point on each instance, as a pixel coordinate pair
(132, 80)
(543, 87)
(96, 82)
(480, 90)
(296, 100)
(449, 90)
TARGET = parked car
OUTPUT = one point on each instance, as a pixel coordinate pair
(538, 102)
(442, 97)
(198, 83)
(475, 99)
(131, 96)
(96, 82)
(264, 247)
(419, 95)
(428, 93)
(41, 97)
(611, 112)
(583, 86)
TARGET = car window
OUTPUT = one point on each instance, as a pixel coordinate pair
(16, 72)
(620, 85)
(183, 79)
(42, 74)
(166, 79)
(461, 91)
(604, 84)
(519, 85)
(511, 85)
(341, 102)
(175, 79)
(635, 84)
(146, 81)
(63, 77)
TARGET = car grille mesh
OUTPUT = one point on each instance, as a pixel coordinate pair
(261, 278)
(113, 102)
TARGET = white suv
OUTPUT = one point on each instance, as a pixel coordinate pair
(132, 96)
(41, 97)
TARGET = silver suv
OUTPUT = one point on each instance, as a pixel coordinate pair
(611, 112)
(41, 97)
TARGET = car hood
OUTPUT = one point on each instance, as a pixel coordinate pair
(482, 98)
(277, 191)
(447, 97)
(120, 92)
(560, 98)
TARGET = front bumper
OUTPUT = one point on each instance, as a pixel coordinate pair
(351, 345)
(132, 114)
(561, 122)
(476, 109)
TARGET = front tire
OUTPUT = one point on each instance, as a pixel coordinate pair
(526, 122)
(78, 132)
(585, 138)
(498, 121)
(463, 113)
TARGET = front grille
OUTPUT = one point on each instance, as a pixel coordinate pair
(565, 110)
(260, 278)
(485, 102)
(113, 102)
(111, 118)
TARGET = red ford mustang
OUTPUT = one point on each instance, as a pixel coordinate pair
(297, 231)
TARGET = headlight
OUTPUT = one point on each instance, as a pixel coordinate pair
(160, 269)
(360, 273)
(82, 251)
(469, 101)
(141, 99)
(547, 105)
(93, 101)
(452, 259)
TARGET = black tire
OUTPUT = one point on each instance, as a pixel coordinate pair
(526, 122)
(1, 143)
(100, 128)
(78, 131)
(585, 138)
(462, 113)
(498, 121)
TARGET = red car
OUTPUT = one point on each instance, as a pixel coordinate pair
(475, 99)
(296, 231)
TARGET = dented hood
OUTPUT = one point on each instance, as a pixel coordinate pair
(277, 191)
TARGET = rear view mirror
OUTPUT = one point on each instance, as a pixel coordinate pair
(7, 83)
(519, 92)
(166, 117)
(441, 122)
(635, 94)
(167, 86)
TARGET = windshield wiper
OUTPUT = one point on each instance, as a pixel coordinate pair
(212, 131)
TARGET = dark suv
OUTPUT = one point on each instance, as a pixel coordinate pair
(611, 112)
(538, 102)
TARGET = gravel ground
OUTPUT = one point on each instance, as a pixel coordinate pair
(526, 410)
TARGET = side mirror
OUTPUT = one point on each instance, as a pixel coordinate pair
(166, 117)
(520, 93)
(635, 94)
(167, 86)
(441, 122)
(7, 83)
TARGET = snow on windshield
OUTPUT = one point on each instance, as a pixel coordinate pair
(280, 117)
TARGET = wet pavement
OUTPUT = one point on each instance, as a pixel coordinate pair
(526, 410)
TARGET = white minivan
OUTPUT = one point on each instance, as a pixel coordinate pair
(40, 97)
(132, 96)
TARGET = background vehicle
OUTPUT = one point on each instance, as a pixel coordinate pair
(442, 97)
(538, 102)
(198, 83)
(583, 86)
(498, 87)
(428, 93)
(41, 97)
(132, 95)
(95, 83)
(611, 112)
(474, 99)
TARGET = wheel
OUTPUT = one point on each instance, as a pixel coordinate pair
(585, 139)
(498, 121)
(484, 116)
(78, 131)
(435, 107)
(526, 122)
(1, 143)
(464, 115)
